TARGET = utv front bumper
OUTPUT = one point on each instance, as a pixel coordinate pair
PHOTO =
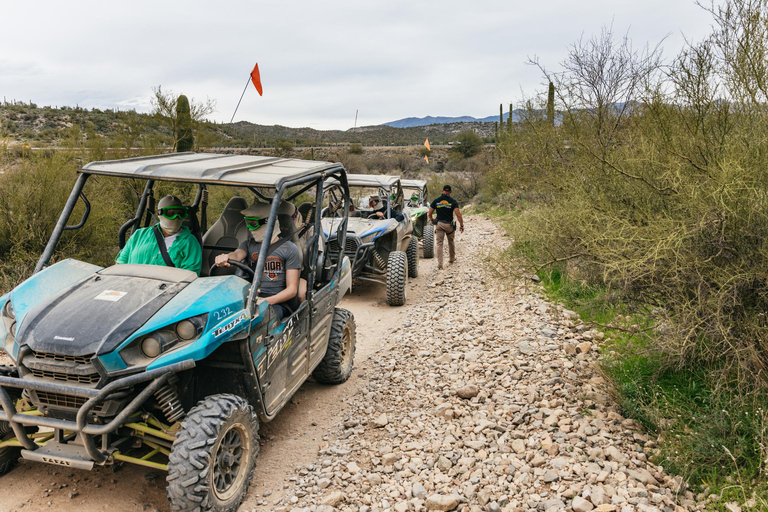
(57, 452)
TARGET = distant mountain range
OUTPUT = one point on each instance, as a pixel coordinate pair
(410, 122)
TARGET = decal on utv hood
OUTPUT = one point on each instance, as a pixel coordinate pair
(231, 325)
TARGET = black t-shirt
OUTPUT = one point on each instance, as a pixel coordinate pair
(444, 206)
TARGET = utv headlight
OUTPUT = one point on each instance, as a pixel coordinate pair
(9, 323)
(151, 347)
(8, 310)
(144, 349)
(186, 329)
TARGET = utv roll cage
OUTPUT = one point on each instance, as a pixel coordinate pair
(206, 169)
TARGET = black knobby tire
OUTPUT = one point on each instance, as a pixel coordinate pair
(429, 241)
(397, 276)
(336, 366)
(213, 457)
(413, 257)
(9, 456)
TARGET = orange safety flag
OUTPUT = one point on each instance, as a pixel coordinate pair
(426, 158)
(426, 143)
(256, 79)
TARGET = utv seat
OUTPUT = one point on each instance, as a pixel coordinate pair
(224, 236)
(300, 233)
(305, 209)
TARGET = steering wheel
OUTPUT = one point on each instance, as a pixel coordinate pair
(373, 216)
(242, 266)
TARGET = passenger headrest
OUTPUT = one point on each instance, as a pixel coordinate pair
(288, 217)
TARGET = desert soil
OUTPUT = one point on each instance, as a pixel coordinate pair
(472, 397)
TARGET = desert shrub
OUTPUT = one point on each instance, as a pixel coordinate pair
(468, 144)
(653, 191)
(32, 195)
(283, 148)
(353, 163)
(355, 149)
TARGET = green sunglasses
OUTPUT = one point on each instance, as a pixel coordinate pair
(393, 197)
(254, 223)
(173, 212)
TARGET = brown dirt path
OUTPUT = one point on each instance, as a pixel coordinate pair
(288, 442)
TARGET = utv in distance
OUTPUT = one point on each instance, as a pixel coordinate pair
(158, 366)
(418, 204)
(382, 249)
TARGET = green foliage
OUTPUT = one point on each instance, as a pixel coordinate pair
(32, 196)
(468, 144)
(165, 110)
(283, 147)
(650, 198)
(186, 139)
(355, 149)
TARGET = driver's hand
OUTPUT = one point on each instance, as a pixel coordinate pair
(380, 215)
(461, 229)
(221, 260)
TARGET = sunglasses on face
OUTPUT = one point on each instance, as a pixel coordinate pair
(393, 197)
(254, 223)
(414, 198)
(173, 212)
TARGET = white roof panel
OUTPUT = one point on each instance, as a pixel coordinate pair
(211, 168)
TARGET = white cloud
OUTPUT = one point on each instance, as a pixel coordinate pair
(320, 61)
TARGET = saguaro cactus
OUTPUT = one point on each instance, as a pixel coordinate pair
(509, 119)
(185, 138)
(551, 104)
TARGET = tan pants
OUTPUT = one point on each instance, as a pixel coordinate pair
(444, 230)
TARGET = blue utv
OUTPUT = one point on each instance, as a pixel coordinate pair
(382, 248)
(158, 366)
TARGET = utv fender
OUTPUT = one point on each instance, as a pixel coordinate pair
(345, 283)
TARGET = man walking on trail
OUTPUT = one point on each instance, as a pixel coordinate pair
(445, 226)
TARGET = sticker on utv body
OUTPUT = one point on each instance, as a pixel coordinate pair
(231, 325)
(110, 295)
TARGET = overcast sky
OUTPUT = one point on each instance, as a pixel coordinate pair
(319, 60)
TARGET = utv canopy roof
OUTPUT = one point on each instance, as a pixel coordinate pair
(372, 180)
(419, 184)
(212, 168)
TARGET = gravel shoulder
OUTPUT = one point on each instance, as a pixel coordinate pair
(472, 397)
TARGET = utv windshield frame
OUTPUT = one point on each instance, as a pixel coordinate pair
(206, 169)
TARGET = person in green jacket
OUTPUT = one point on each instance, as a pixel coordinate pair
(182, 246)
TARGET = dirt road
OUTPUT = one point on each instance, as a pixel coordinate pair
(288, 442)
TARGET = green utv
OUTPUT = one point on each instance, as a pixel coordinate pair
(157, 366)
(418, 203)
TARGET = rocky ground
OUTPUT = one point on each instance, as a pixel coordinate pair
(472, 397)
(483, 399)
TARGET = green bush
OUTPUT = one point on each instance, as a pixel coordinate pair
(653, 191)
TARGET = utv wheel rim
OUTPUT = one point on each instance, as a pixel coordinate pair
(230, 459)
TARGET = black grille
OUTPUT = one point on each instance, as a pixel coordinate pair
(66, 377)
(59, 357)
(70, 402)
(59, 400)
(350, 247)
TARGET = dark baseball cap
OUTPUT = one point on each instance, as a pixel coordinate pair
(447, 187)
